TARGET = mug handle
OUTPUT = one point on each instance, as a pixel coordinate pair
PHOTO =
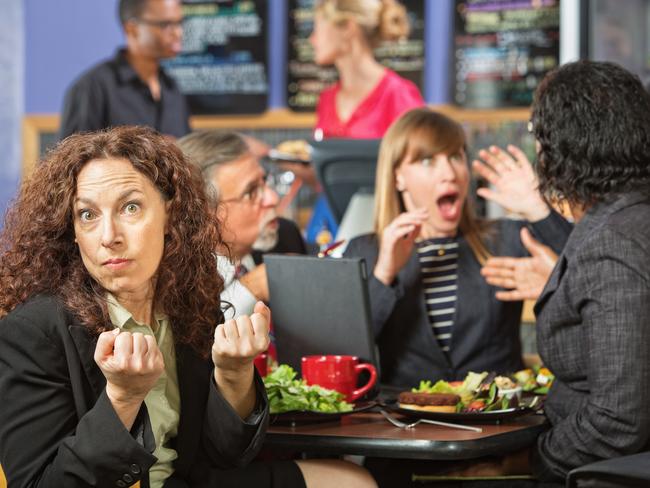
(373, 379)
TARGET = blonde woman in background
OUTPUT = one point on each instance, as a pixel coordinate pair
(368, 96)
(434, 316)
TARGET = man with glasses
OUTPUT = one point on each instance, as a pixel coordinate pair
(131, 88)
(246, 207)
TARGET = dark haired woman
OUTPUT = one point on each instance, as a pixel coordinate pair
(111, 368)
(592, 124)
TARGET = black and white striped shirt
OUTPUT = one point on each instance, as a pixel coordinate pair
(439, 265)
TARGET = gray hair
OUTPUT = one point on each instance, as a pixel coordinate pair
(207, 149)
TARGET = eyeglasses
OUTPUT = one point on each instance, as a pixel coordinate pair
(165, 25)
(254, 194)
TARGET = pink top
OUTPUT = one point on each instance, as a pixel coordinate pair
(392, 96)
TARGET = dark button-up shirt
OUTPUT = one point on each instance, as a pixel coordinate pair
(111, 94)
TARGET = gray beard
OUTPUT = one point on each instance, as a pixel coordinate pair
(267, 239)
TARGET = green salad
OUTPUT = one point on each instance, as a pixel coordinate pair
(287, 394)
(478, 393)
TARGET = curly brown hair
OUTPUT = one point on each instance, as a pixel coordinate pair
(40, 255)
(592, 122)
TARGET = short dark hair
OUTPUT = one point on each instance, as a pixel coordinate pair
(131, 9)
(592, 122)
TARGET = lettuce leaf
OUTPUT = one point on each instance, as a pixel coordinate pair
(286, 393)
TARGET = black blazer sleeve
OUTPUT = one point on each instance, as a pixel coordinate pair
(553, 231)
(607, 295)
(382, 298)
(43, 440)
(228, 440)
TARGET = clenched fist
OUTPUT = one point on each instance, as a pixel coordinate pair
(238, 341)
(236, 344)
(131, 364)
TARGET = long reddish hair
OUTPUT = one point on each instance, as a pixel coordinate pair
(40, 256)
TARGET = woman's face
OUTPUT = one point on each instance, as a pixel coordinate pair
(439, 184)
(327, 40)
(119, 223)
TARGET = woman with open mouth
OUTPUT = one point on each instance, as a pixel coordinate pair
(434, 316)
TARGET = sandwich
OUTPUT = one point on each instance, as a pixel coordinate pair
(429, 402)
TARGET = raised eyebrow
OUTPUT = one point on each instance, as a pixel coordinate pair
(127, 194)
(123, 196)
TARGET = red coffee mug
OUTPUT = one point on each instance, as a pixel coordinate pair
(338, 373)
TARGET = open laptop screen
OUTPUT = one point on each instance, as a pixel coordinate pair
(320, 306)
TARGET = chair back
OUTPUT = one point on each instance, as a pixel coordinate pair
(345, 167)
(632, 470)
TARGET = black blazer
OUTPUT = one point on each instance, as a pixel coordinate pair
(485, 334)
(58, 428)
(593, 332)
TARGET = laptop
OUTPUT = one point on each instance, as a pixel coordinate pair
(320, 306)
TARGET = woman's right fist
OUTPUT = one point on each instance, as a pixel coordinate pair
(131, 363)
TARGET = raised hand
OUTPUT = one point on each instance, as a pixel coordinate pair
(523, 278)
(238, 341)
(515, 185)
(236, 344)
(131, 364)
(397, 243)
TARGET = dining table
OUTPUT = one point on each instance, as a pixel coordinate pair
(369, 433)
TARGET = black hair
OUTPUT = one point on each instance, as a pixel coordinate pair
(131, 9)
(592, 123)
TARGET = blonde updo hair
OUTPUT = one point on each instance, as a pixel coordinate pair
(379, 20)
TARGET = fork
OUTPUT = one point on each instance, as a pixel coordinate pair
(404, 425)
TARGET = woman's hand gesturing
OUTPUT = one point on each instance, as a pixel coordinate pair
(397, 243)
(131, 364)
(515, 185)
(236, 344)
(522, 278)
(238, 341)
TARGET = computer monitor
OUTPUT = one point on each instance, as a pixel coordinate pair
(320, 306)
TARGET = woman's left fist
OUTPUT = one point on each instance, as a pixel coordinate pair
(238, 341)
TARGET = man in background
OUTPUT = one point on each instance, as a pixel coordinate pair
(246, 207)
(131, 88)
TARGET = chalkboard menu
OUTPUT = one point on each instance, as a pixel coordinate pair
(502, 50)
(305, 79)
(620, 35)
(223, 66)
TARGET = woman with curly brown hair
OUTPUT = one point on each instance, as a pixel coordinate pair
(114, 369)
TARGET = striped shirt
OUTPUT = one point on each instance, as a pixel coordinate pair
(438, 266)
